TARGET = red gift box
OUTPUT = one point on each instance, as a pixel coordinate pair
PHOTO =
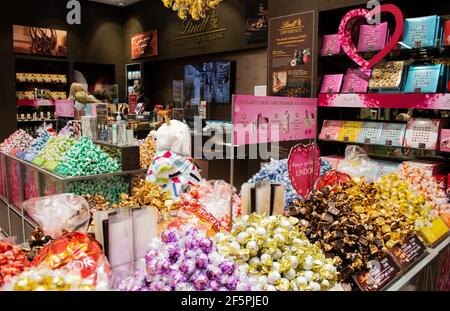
(447, 32)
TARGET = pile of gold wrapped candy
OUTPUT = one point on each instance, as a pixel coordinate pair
(146, 193)
(147, 150)
(357, 221)
(273, 249)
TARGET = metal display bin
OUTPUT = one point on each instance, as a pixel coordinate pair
(21, 180)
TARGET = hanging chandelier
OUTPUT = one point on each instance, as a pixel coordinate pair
(195, 8)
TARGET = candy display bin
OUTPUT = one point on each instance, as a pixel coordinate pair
(2, 176)
(24, 180)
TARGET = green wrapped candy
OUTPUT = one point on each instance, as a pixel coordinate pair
(85, 158)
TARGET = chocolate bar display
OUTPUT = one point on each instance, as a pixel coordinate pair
(350, 131)
(330, 130)
(372, 37)
(356, 80)
(387, 75)
(331, 45)
(370, 133)
(422, 133)
(331, 83)
(393, 134)
(424, 78)
(421, 32)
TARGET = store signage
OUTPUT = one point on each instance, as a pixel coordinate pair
(346, 27)
(39, 41)
(259, 119)
(132, 102)
(405, 254)
(291, 55)
(144, 45)
(382, 271)
(304, 168)
(198, 34)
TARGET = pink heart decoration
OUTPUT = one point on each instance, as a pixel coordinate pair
(304, 168)
(346, 39)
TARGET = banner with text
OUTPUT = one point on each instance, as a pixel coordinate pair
(260, 120)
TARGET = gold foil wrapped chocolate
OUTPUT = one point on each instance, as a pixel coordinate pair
(146, 193)
(274, 249)
(359, 220)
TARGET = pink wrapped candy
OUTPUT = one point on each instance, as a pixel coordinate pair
(188, 261)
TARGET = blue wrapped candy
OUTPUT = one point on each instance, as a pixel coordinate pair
(277, 172)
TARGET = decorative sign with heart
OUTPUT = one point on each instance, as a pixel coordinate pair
(304, 168)
(346, 39)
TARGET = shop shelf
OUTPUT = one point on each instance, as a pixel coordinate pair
(376, 145)
(438, 101)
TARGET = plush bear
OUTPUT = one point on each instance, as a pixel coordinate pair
(81, 96)
(172, 167)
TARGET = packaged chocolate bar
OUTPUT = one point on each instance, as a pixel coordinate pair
(356, 80)
(422, 133)
(387, 75)
(424, 78)
(372, 37)
(330, 130)
(421, 32)
(350, 131)
(332, 83)
(393, 134)
(370, 133)
(331, 45)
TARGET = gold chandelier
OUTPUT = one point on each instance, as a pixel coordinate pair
(195, 8)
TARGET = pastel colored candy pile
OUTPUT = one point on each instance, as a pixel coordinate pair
(51, 155)
(188, 261)
(274, 250)
(12, 261)
(277, 172)
(18, 141)
(36, 147)
(110, 188)
(434, 193)
(86, 158)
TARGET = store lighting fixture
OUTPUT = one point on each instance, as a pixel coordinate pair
(195, 8)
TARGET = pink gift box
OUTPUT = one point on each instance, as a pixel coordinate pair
(330, 130)
(445, 140)
(422, 133)
(356, 80)
(372, 37)
(332, 83)
(331, 45)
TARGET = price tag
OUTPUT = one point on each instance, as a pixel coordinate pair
(406, 253)
(388, 142)
(346, 138)
(367, 140)
(383, 270)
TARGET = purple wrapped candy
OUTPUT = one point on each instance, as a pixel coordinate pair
(169, 236)
(191, 244)
(200, 280)
(202, 261)
(206, 245)
(152, 266)
(174, 253)
(213, 272)
(227, 267)
(232, 283)
(214, 285)
(187, 266)
(177, 278)
(165, 266)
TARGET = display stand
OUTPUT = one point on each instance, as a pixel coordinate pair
(21, 181)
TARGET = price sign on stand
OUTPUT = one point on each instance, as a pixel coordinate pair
(383, 270)
(304, 168)
(408, 252)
